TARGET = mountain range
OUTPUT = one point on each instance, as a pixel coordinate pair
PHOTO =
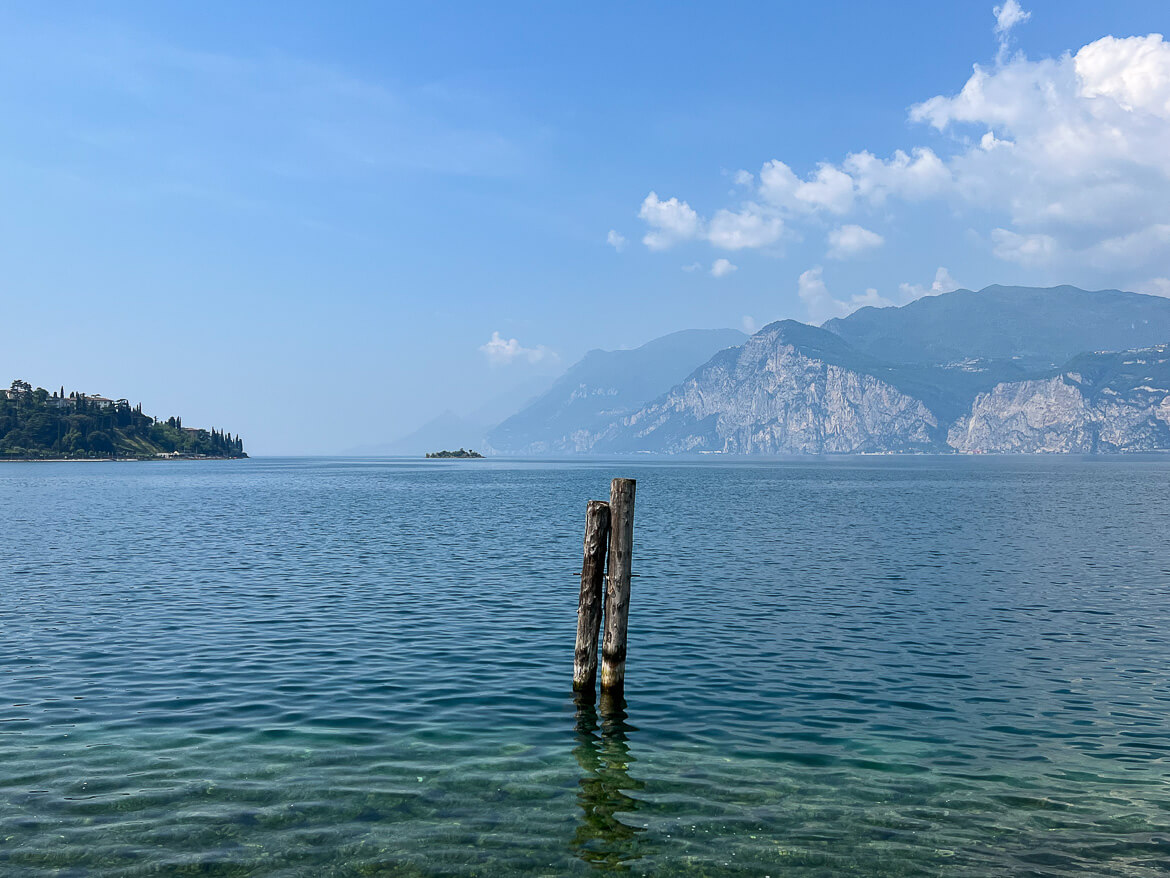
(1004, 369)
(602, 388)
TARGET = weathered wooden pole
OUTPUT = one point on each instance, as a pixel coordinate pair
(617, 592)
(592, 588)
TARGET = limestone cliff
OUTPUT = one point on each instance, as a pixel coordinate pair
(1103, 402)
(968, 372)
(790, 389)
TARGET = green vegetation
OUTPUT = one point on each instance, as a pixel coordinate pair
(35, 424)
(458, 455)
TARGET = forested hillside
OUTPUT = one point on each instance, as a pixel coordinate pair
(38, 424)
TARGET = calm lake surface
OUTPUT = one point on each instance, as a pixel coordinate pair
(872, 667)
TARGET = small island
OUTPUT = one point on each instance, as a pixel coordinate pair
(39, 425)
(461, 454)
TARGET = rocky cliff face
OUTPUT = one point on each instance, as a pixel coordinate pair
(788, 390)
(1045, 415)
(1119, 409)
(966, 372)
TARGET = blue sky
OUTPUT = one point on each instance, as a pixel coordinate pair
(307, 223)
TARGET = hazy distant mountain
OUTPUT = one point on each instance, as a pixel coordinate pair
(493, 409)
(447, 431)
(1040, 327)
(601, 388)
(962, 371)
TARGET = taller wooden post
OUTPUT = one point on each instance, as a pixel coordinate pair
(592, 589)
(617, 593)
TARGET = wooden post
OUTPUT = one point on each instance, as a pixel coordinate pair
(592, 587)
(617, 592)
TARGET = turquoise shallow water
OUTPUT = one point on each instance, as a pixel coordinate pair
(914, 666)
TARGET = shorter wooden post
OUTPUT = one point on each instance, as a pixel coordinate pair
(592, 588)
(617, 592)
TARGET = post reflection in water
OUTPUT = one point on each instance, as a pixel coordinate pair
(603, 752)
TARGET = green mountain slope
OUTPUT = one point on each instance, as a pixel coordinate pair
(35, 424)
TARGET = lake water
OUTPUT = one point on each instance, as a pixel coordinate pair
(869, 667)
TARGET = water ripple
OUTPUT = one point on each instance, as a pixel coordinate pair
(314, 667)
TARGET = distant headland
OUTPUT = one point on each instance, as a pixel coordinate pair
(461, 454)
(39, 425)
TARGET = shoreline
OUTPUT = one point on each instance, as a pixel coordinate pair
(110, 459)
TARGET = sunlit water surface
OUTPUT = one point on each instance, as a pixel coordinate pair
(917, 666)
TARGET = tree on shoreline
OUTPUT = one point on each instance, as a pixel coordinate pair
(37, 424)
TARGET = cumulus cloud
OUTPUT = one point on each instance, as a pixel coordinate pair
(749, 227)
(722, 268)
(916, 176)
(616, 240)
(942, 283)
(822, 305)
(502, 351)
(828, 188)
(673, 222)
(1133, 72)
(693, 266)
(1063, 161)
(849, 240)
(749, 324)
(1074, 150)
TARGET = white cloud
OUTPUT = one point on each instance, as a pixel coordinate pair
(1030, 250)
(810, 286)
(1008, 16)
(1135, 248)
(822, 306)
(501, 351)
(1074, 148)
(869, 299)
(1063, 161)
(749, 324)
(850, 240)
(616, 240)
(673, 222)
(744, 178)
(829, 188)
(778, 184)
(722, 268)
(1156, 286)
(1133, 72)
(942, 283)
(694, 266)
(914, 177)
(670, 222)
(750, 227)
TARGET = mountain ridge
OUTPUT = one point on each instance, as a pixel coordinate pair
(602, 386)
(1041, 326)
(904, 378)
